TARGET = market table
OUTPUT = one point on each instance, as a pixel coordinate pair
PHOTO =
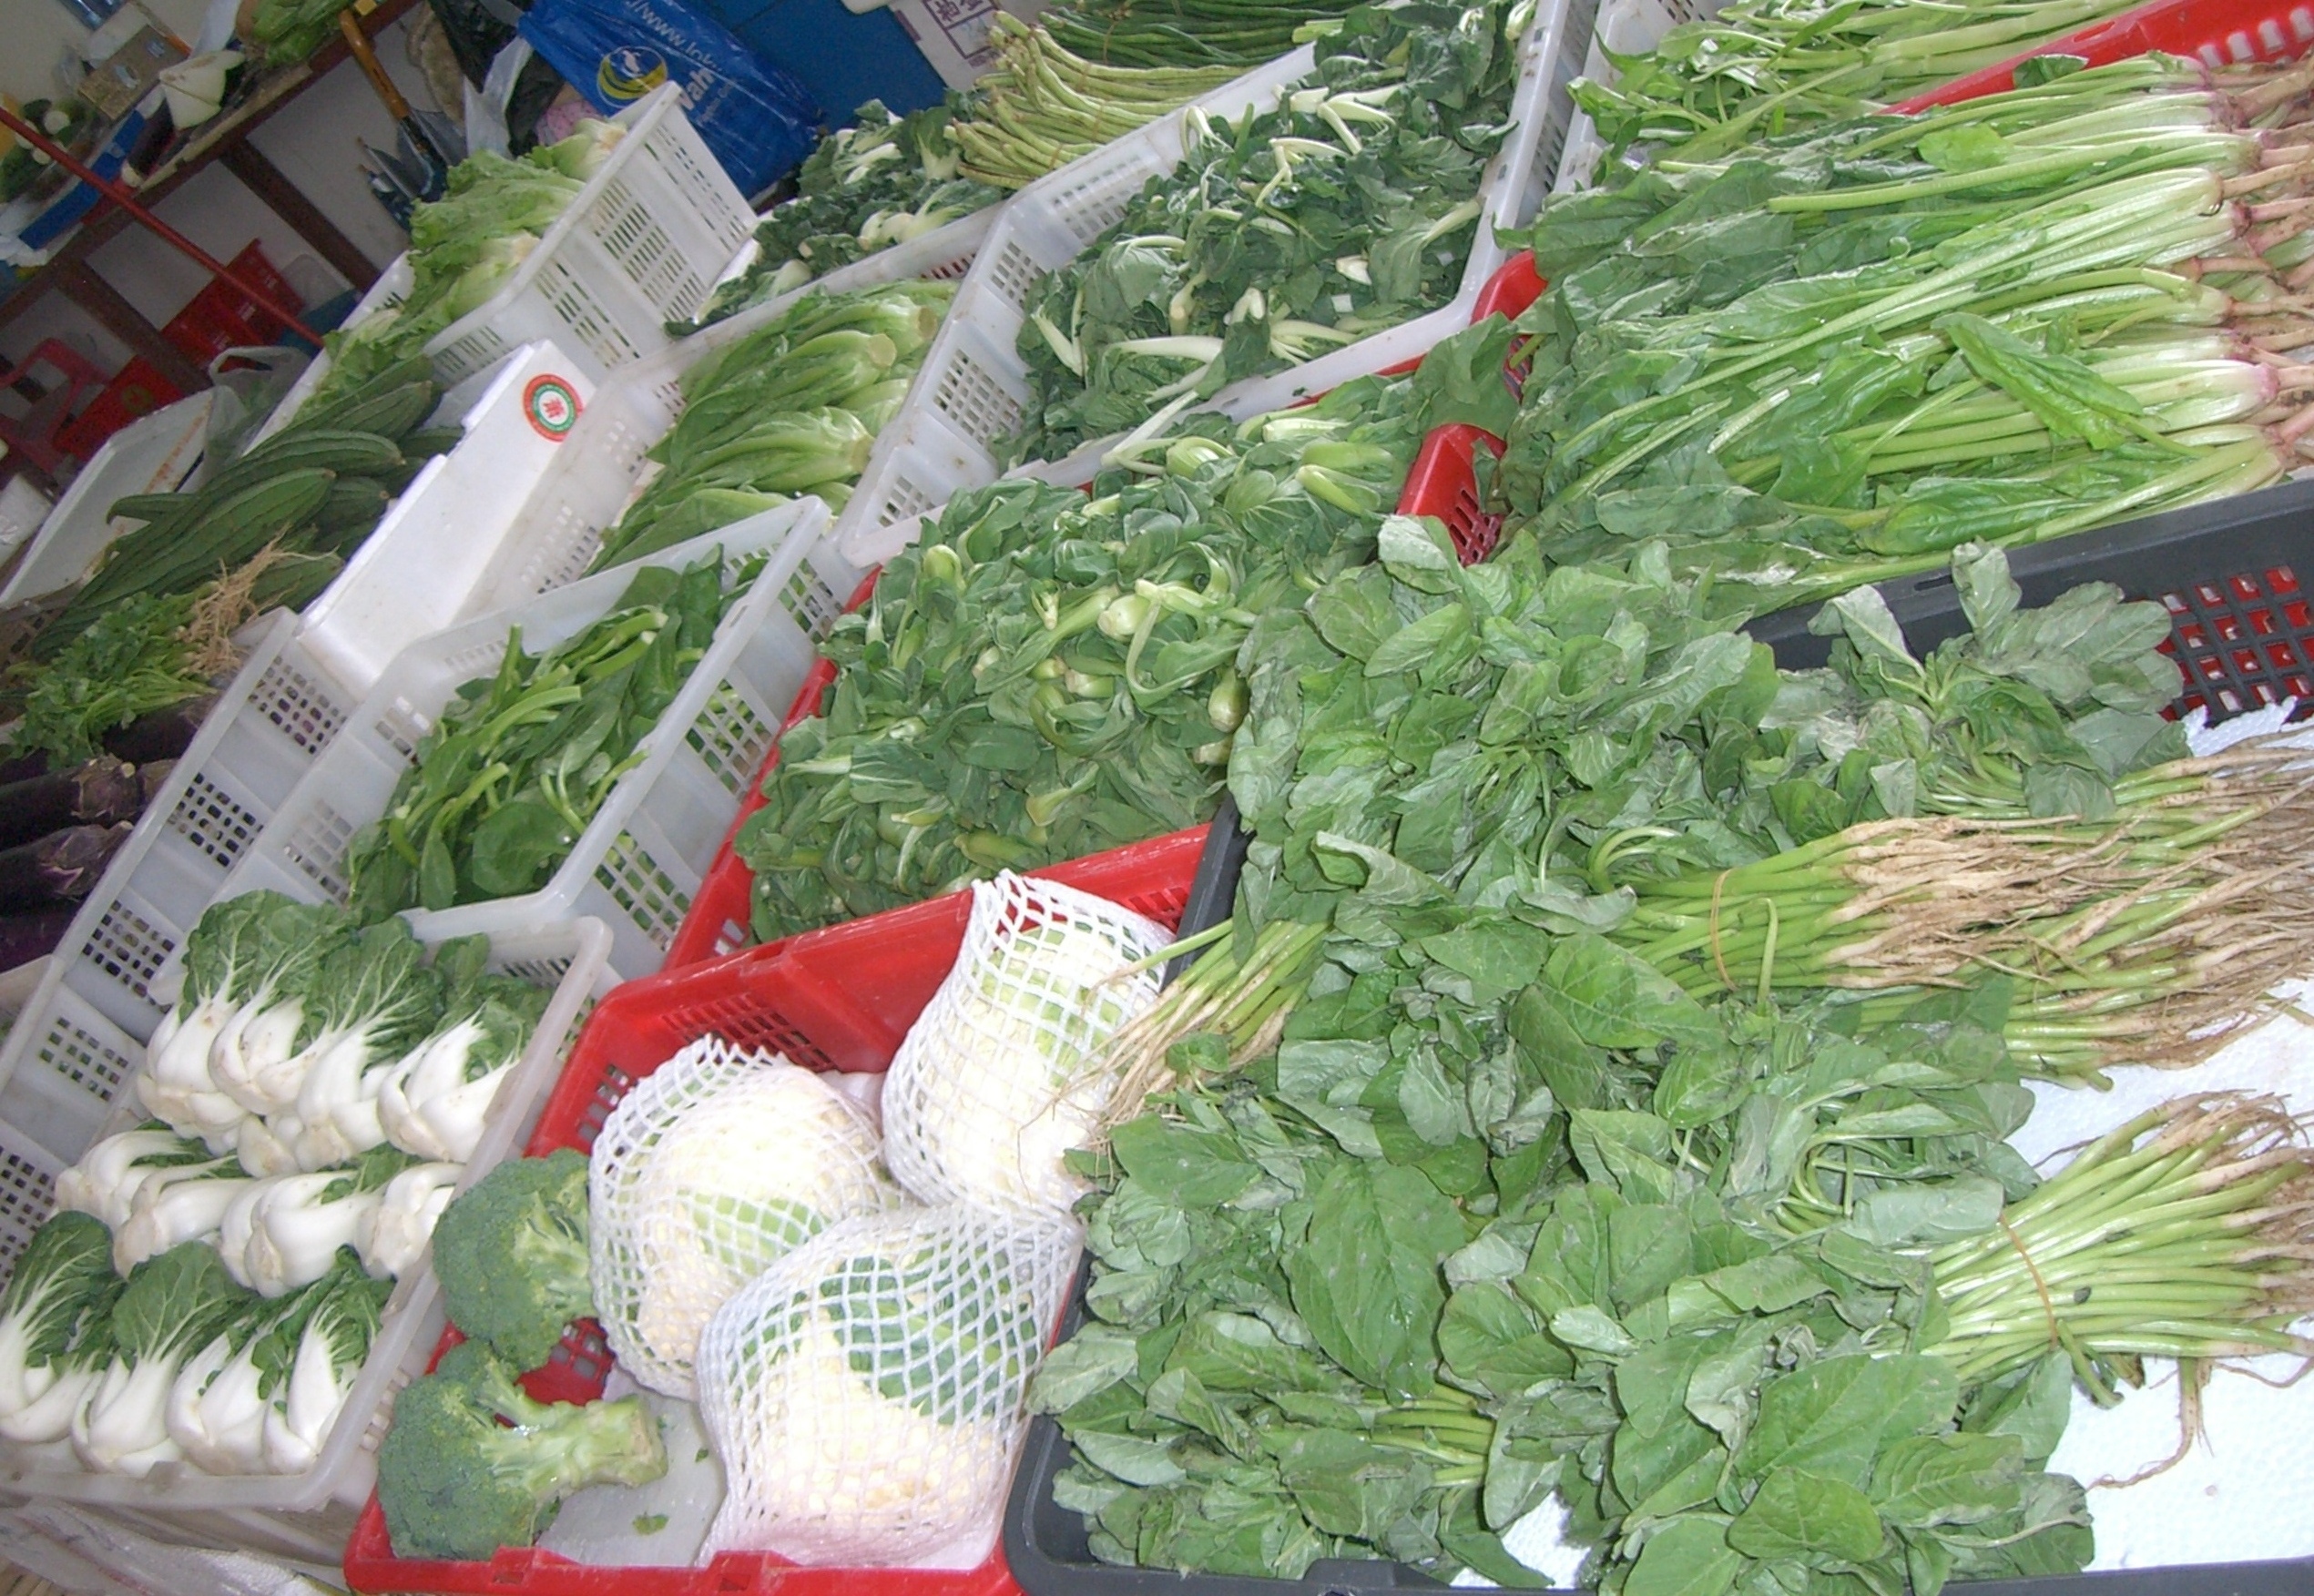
(224, 141)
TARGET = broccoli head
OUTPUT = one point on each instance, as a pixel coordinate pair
(472, 1463)
(511, 1253)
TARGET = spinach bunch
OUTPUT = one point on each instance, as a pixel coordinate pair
(1045, 675)
(1468, 1234)
(1349, 208)
(516, 764)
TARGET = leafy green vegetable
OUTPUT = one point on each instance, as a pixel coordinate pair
(518, 763)
(1833, 358)
(792, 408)
(1346, 209)
(1760, 68)
(128, 662)
(464, 246)
(1044, 676)
(1159, 33)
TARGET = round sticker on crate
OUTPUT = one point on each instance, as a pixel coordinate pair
(551, 405)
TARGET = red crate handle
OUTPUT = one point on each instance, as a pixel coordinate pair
(2213, 31)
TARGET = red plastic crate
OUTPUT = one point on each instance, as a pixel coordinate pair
(221, 316)
(136, 391)
(837, 999)
(1444, 483)
(2213, 31)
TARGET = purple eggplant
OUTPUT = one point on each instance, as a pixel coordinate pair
(165, 734)
(97, 793)
(60, 868)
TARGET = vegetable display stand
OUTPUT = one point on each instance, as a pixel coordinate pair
(974, 389)
(153, 454)
(425, 568)
(589, 483)
(99, 996)
(837, 998)
(641, 246)
(55, 1105)
(640, 857)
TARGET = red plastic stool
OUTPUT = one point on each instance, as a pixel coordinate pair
(33, 435)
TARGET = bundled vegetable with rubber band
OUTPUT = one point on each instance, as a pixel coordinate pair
(1822, 364)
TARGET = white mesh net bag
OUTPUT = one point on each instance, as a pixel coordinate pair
(865, 1395)
(714, 1167)
(995, 1081)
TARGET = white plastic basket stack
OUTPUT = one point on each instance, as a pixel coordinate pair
(427, 565)
(640, 860)
(54, 1106)
(642, 245)
(600, 467)
(264, 733)
(975, 390)
(1626, 28)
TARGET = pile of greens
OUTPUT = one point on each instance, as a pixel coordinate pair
(516, 764)
(1185, 33)
(882, 181)
(792, 408)
(1760, 68)
(130, 661)
(464, 246)
(1044, 676)
(1830, 360)
(1456, 1200)
(1346, 209)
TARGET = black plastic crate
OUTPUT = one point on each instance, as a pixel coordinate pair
(2237, 576)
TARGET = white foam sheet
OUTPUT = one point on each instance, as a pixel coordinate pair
(2242, 1493)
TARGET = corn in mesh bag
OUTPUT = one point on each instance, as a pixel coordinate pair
(714, 1167)
(866, 1394)
(997, 1079)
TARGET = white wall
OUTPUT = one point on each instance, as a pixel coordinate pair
(312, 141)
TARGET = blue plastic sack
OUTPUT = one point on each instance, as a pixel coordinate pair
(759, 120)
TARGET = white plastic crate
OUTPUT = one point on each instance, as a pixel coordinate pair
(263, 734)
(392, 288)
(152, 455)
(641, 246)
(600, 468)
(641, 857)
(424, 565)
(975, 388)
(55, 1103)
(1626, 28)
